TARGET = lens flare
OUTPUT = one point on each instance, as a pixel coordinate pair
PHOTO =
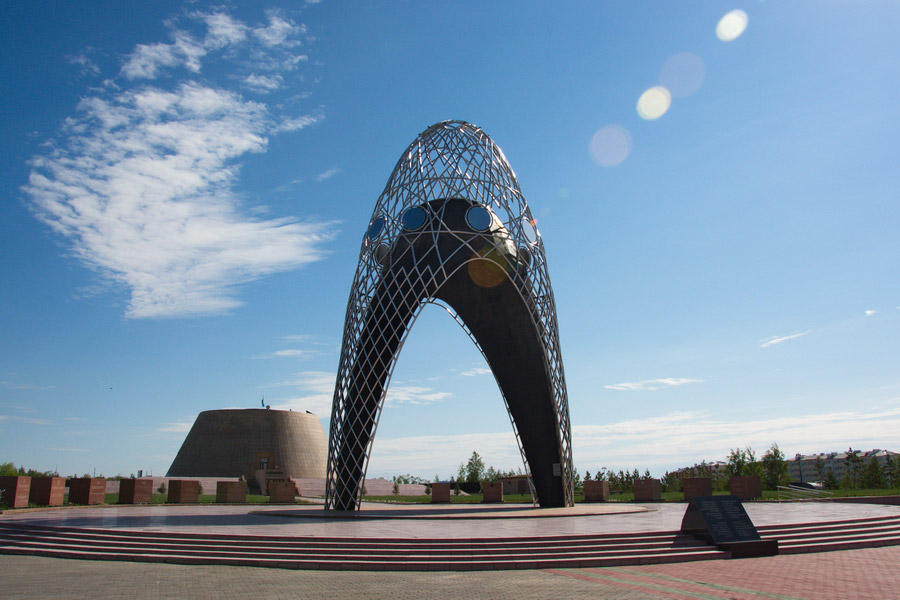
(732, 25)
(610, 146)
(683, 74)
(654, 103)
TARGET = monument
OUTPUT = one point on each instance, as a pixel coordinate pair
(237, 443)
(452, 228)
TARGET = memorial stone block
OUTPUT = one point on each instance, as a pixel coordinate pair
(91, 490)
(282, 492)
(231, 492)
(136, 491)
(440, 492)
(697, 486)
(183, 491)
(15, 491)
(47, 491)
(493, 491)
(647, 490)
(745, 487)
(596, 491)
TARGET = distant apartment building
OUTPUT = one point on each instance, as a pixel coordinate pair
(806, 467)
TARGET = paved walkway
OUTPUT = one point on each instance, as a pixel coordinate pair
(375, 521)
(869, 574)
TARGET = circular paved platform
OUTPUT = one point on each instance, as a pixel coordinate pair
(387, 521)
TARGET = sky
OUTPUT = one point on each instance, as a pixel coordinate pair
(185, 187)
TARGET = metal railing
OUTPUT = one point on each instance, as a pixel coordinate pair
(792, 493)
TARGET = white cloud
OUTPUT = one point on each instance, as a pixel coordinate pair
(684, 438)
(182, 426)
(428, 454)
(26, 386)
(652, 384)
(318, 388)
(263, 83)
(88, 66)
(413, 394)
(476, 371)
(328, 174)
(869, 313)
(25, 420)
(143, 185)
(780, 339)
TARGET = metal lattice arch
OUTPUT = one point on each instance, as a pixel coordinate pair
(452, 228)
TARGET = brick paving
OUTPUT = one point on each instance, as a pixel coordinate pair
(870, 574)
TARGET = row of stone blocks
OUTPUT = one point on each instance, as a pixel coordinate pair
(492, 490)
(745, 487)
(18, 491)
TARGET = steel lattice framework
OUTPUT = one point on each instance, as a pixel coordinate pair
(452, 228)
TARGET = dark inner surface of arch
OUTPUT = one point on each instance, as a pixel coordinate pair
(499, 319)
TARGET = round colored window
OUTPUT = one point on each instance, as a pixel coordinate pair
(478, 218)
(413, 218)
(375, 228)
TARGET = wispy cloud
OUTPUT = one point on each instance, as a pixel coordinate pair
(781, 339)
(25, 420)
(476, 371)
(181, 426)
(683, 438)
(652, 384)
(142, 183)
(26, 386)
(869, 313)
(317, 390)
(413, 394)
(328, 174)
(88, 66)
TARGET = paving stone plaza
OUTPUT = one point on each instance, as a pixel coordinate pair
(858, 573)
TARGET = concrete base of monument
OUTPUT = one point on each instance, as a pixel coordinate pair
(379, 510)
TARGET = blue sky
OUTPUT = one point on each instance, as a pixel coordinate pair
(185, 187)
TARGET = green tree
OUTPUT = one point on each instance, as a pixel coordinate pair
(8, 469)
(893, 471)
(854, 469)
(873, 476)
(830, 482)
(474, 469)
(775, 468)
(740, 462)
(396, 489)
(820, 468)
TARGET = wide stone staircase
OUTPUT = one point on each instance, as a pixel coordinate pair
(567, 551)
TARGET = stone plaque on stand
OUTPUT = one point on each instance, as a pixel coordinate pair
(722, 521)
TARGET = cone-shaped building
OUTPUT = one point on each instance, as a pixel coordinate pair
(232, 443)
(453, 228)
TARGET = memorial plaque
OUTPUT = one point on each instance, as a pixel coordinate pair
(47, 491)
(231, 492)
(15, 491)
(135, 491)
(745, 487)
(493, 491)
(596, 491)
(722, 520)
(647, 490)
(440, 492)
(183, 491)
(697, 486)
(91, 490)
